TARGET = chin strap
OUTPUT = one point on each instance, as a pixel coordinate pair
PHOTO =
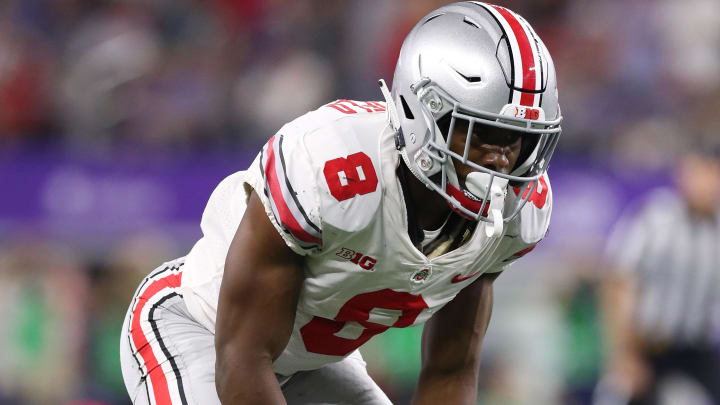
(390, 106)
(477, 183)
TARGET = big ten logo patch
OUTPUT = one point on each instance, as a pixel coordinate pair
(527, 113)
(365, 262)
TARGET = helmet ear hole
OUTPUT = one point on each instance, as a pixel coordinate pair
(406, 109)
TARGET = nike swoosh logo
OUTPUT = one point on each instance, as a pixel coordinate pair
(458, 278)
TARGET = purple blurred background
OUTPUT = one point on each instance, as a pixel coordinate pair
(118, 118)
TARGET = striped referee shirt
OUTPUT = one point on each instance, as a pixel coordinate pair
(675, 261)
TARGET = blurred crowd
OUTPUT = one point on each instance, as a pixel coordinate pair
(192, 74)
(639, 80)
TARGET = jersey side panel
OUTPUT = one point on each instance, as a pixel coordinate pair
(205, 263)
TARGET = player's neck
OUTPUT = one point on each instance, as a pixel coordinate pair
(432, 210)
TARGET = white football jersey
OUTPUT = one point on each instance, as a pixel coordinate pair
(329, 185)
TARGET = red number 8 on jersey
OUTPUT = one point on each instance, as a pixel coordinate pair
(350, 176)
(319, 335)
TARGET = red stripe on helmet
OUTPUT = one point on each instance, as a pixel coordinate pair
(526, 56)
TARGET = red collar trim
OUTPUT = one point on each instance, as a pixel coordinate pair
(466, 202)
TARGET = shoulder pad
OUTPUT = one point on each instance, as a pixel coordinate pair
(347, 160)
(321, 172)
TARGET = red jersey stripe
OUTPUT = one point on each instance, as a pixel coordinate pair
(524, 251)
(286, 216)
(161, 391)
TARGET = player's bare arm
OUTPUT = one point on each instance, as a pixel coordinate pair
(256, 310)
(451, 345)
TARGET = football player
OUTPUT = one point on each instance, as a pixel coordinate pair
(358, 217)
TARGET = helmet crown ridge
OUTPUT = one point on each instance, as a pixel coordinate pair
(483, 64)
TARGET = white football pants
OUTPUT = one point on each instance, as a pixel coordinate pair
(168, 358)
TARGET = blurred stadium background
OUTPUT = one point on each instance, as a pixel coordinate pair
(118, 118)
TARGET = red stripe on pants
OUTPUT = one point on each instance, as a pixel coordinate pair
(159, 382)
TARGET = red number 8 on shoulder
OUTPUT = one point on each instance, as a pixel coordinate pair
(350, 176)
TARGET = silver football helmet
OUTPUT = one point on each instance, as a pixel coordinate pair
(485, 65)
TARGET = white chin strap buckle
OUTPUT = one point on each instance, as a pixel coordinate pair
(477, 183)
